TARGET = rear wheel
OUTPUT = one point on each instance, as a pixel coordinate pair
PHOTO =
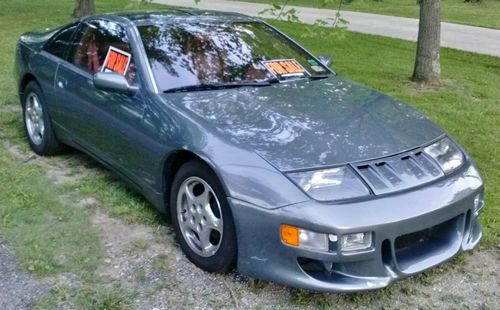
(37, 124)
(202, 218)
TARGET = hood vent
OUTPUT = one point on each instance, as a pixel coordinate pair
(399, 172)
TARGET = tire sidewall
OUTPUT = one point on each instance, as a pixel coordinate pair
(224, 260)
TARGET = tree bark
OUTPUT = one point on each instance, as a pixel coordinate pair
(427, 63)
(84, 8)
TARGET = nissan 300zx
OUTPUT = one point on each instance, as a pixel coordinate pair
(266, 160)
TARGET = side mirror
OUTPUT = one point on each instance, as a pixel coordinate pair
(110, 81)
(326, 60)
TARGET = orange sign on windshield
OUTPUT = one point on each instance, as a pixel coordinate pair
(285, 67)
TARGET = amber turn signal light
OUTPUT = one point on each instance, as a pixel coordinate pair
(290, 235)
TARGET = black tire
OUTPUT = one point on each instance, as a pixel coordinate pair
(48, 144)
(224, 259)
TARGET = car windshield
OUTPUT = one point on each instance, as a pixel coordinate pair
(212, 54)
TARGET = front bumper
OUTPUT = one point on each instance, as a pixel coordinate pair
(412, 231)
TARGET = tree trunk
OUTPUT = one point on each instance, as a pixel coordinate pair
(427, 64)
(84, 8)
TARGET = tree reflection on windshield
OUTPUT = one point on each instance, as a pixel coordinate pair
(198, 53)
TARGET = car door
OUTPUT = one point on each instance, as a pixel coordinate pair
(106, 124)
(45, 63)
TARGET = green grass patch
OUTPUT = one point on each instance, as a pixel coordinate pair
(118, 199)
(93, 296)
(12, 127)
(485, 14)
(48, 236)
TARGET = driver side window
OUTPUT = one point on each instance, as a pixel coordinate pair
(96, 46)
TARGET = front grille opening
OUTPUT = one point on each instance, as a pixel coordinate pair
(372, 178)
(468, 219)
(399, 172)
(422, 249)
(324, 271)
(346, 273)
(311, 265)
(319, 270)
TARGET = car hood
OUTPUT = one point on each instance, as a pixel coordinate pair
(309, 124)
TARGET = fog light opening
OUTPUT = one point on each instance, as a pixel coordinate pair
(356, 242)
(478, 204)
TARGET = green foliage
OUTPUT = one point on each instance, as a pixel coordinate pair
(280, 11)
(328, 28)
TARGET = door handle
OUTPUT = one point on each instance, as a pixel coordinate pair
(61, 82)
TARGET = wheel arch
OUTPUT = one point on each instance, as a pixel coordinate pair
(174, 162)
(25, 80)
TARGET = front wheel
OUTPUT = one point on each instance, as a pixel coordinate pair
(202, 218)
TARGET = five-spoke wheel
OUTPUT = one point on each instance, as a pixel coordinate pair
(34, 119)
(202, 218)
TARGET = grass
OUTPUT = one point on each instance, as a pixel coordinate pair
(118, 199)
(50, 237)
(453, 11)
(94, 296)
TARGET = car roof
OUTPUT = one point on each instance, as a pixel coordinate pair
(174, 15)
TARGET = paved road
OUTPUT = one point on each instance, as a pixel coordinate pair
(18, 289)
(466, 38)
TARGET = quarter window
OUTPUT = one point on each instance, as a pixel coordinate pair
(60, 42)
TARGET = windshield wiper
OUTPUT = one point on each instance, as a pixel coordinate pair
(202, 87)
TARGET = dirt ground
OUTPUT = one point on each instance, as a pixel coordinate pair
(147, 260)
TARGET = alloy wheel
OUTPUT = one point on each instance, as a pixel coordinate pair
(200, 216)
(34, 119)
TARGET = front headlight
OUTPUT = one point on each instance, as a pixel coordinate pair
(446, 153)
(330, 184)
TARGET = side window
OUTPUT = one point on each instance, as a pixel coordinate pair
(58, 44)
(101, 41)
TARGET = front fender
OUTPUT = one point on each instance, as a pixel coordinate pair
(245, 176)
